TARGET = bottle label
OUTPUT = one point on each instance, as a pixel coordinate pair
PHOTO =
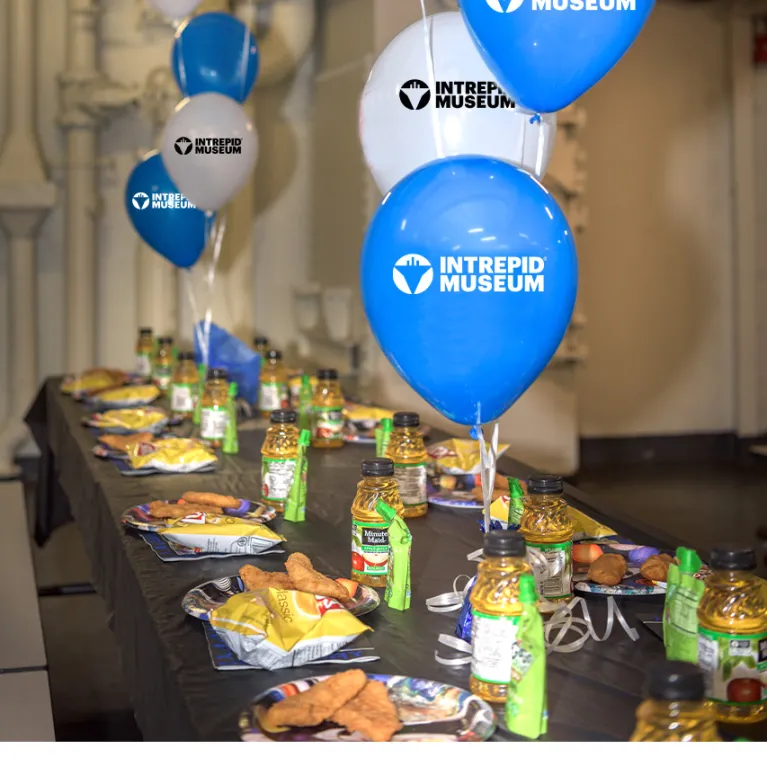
(492, 646)
(162, 377)
(277, 478)
(735, 666)
(213, 422)
(411, 481)
(273, 396)
(144, 365)
(329, 423)
(370, 548)
(182, 397)
(557, 581)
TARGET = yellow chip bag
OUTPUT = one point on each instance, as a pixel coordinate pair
(129, 395)
(458, 456)
(220, 534)
(173, 455)
(585, 526)
(133, 419)
(273, 629)
(366, 415)
(93, 380)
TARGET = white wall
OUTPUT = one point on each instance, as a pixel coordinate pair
(656, 259)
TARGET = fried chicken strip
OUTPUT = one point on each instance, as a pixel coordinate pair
(162, 510)
(306, 578)
(370, 713)
(254, 579)
(211, 499)
(318, 703)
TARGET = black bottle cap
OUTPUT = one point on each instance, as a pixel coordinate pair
(406, 419)
(731, 556)
(217, 373)
(185, 356)
(504, 543)
(378, 467)
(282, 416)
(327, 374)
(260, 341)
(675, 680)
(545, 484)
(273, 354)
(166, 340)
(145, 331)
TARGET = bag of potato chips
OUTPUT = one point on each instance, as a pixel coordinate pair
(173, 455)
(457, 456)
(219, 534)
(273, 629)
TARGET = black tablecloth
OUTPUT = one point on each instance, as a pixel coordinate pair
(177, 695)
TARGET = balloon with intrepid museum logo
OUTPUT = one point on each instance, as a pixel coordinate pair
(469, 276)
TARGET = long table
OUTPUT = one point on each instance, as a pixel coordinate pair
(177, 694)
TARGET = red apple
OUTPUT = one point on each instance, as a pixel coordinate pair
(744, 690)
(358, 563)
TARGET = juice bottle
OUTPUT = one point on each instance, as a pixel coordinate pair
(495, 613)
(547, 527)
(328, 411)
(184, 386)
(407, 451)
(273, 392)
(370, 533)
(732, 636)
(675, 709)
(144, 353)
(162, 368)
(214, 407)
(261, 345)
(278, 458)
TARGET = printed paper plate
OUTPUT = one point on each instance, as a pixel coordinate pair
(430, 711)
(132, 398)
(139, 518)
(223, 658)
(170, 551)
(203, 599)
(128, 471)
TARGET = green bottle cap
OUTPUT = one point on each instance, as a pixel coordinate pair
(305, 438)
(386, 511)
(689, 561)
(527, 593)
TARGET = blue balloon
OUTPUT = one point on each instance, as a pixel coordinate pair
(548, 53)
(215, 53)
(162, 216)
(469, 276)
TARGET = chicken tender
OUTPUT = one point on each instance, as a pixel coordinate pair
(655, 568)
(306, 578)
(608, 570)
(318, 703)
(162, 510)
(254, 579)
(371, 713)
(211, 499)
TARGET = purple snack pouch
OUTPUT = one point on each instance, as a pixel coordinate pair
(463, 627)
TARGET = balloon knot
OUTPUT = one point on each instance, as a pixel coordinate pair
(475, 432)
(535, 119)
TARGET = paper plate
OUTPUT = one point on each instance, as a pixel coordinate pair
(139, 518)
(169, 551)
(203, 599)
(95, 421)
(430, 711)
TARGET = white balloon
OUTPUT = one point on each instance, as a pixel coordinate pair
(397, 139)
(209, 148)
(176, 9)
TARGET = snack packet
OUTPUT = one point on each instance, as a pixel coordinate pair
(526, 713)
(231, 444)
(398, 573)
(366, 417)
(220, 534)
(126, 396)
(131, 419)
(458, 456)
(273, 629)
(92, 381)
(383, 435)
(173, 455)
(295, 508)
(680, 617)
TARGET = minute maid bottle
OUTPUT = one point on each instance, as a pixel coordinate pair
(407, 450)
(547, 527)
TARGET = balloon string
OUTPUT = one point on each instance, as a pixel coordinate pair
(195, 311)
(244, 63)
(487, 464)
(432, 81)
(211, 280)
(539, 155)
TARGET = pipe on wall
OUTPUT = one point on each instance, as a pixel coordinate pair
(26, 197)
